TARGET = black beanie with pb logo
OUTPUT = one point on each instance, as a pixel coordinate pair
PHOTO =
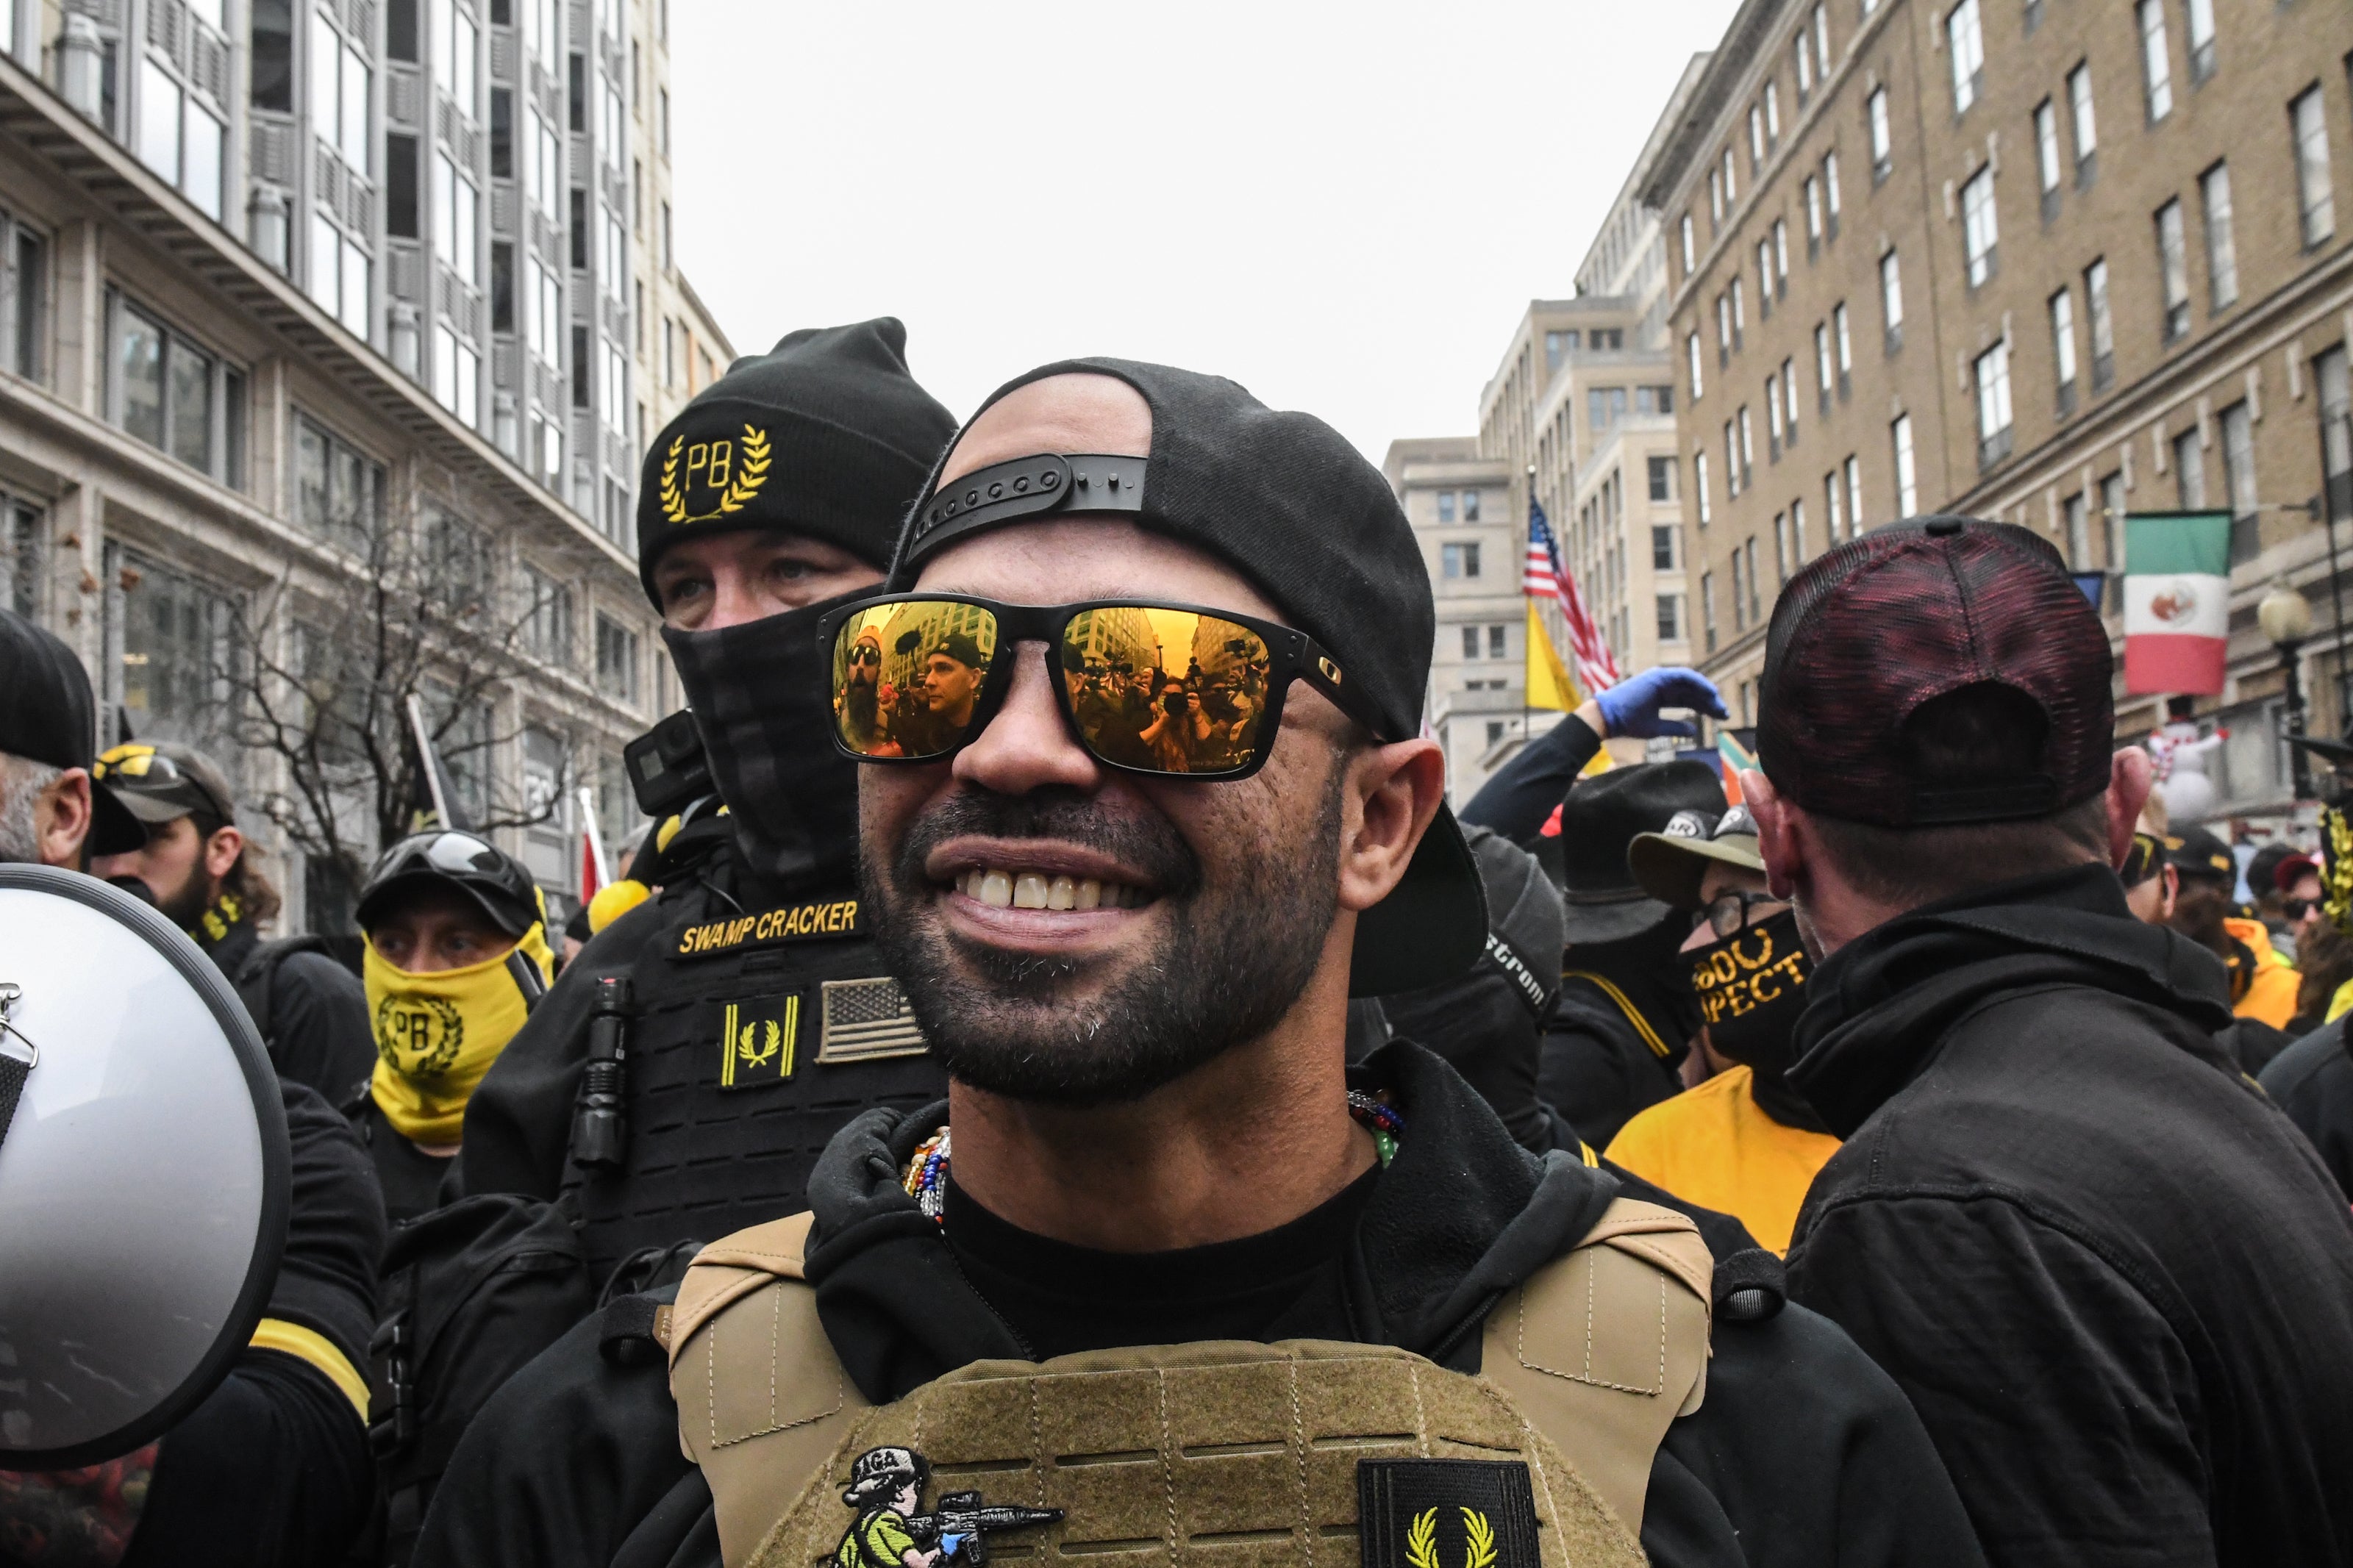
(827, 434)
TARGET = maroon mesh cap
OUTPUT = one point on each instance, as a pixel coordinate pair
(1876, 627)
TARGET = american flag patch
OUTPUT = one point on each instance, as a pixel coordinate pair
(866, 1020)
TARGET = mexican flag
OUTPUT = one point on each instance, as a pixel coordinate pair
(2177, 601)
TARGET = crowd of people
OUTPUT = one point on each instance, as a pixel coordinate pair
(1072, 1084)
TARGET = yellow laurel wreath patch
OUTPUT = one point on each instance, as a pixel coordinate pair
(749, 474)
(1422, 1540)
(1480, 1550)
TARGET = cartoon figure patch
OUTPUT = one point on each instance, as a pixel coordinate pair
(886, 1488)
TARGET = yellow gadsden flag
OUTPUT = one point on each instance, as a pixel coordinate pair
(1549, 683)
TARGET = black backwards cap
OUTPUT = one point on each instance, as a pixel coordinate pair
(826, 433)
(1286, 500)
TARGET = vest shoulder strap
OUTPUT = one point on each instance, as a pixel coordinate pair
(1603, 1347)
(1600, 1350)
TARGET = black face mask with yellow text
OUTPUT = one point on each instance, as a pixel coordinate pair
(1752, 988)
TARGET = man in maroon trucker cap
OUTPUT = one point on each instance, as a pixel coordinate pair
(2115, 1282)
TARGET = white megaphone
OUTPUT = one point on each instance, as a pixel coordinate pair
(144, 1173)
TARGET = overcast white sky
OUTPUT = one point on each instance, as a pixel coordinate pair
(1344, 208)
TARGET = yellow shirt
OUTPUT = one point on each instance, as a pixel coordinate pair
(2270, 992)
(1714, 1146)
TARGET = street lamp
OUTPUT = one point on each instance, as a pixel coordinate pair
(2286, 621)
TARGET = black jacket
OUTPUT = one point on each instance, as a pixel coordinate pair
(1803, 1452)
(319, 1034)
(273, 1468)
(2116, 1282)
(2313, 1082)
(1596, 1070)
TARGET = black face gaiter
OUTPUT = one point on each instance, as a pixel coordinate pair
(1752, 988)
(1649, 968)
(758, 691)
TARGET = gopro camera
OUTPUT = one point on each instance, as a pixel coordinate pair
(668, 769)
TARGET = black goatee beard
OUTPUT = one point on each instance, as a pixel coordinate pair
(1233, 960)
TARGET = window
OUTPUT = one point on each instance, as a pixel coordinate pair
(1823, 372)
(1755, 138)
(1907, 487)
(24, 297)
(2102, 325)
(1797, 531)
(2221, 252)
(1773, 417)
(2062, 348)
(1756, 605)
(1981, 233)
(1691, 345)
(1802, 53)
(271, 34)
(2087, 131)
(1781, 255)
(1891, 300)
(2239, 476)
(610, 134)
(1813, 213)
(1992, 374)
(663, 237)
(1883, 141)
(575, 93)
(2201, 38)
(456, 210)
(1707, 608)
(1830, 194)
(543, 163)
(2156, 65)
(1731, 181)
(1446, 506)
(1832, 511)
(583, 372)
(2315, 201)
(546, 306)
(1459, 560)
(1822, 38)
(617, 660)
(1554, 348)
(614, 254)
(1772, 113)
(2076, 514)
(175, 397)
(400, 30)
(1470, 497)
(2047, 169)
(1739, 598)
(1789, 398)
(1661, 476)
(185, 142)
(2329, 378)
(1715, 196)
(1470, 642)
(457, 375)
(454, 46)
(1765, 278)
(1845, 345)
(1747, 447)
(1739, 315)
(2189, 470)
(502, 158)
(1671, 617)
(1731, 460)
(2112, 520)
(1699, 486)
(1722, 328)
(401, 214)
(1496, 638)
(661, 122)
(1967, 41)
(1690, 248)
(503, 286)
(1853, 496)
(338, 274)
(2173, 267)
(1783, 563)
(1604, 407)
(178, 648)
(338, 492)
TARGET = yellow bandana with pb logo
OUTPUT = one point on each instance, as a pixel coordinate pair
(436, 1034)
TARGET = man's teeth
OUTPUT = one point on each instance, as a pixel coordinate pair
(1036, 891)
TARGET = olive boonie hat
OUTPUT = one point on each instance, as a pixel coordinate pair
(1671, 864)
(1286, 500)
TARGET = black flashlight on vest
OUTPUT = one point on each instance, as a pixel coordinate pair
(600, 1130)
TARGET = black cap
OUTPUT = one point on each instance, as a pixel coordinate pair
(48, 716)
(450, 858)
(2194, 852)
(827, 434)
(165, 782)
(1599, 821)
(1286, 500)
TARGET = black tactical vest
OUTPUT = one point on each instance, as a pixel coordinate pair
(757, 1033)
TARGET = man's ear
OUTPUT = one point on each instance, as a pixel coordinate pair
(61, 820)
(221, 851)
(1399, 789)
(1778, 840)
(2132, 773)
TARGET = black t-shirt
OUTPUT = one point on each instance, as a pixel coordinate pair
(1286, 1283)
(410, 1177)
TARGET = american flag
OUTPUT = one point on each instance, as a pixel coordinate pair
(1545, 577)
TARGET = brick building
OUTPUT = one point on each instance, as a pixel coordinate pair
(2047, 260)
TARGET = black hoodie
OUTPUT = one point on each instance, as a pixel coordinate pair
(1803, 1452)
(2116, 1282)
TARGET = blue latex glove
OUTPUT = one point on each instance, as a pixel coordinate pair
(1631, 707)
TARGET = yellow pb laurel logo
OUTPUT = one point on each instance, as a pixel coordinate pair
(1478, 1540)
(755, 1053)
(736, 470)
(421, 1037)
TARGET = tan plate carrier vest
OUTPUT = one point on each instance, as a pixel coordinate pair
(1227, 1452)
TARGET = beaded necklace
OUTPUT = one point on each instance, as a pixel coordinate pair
(927, 1173)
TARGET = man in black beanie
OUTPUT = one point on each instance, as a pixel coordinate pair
(760, 1016)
